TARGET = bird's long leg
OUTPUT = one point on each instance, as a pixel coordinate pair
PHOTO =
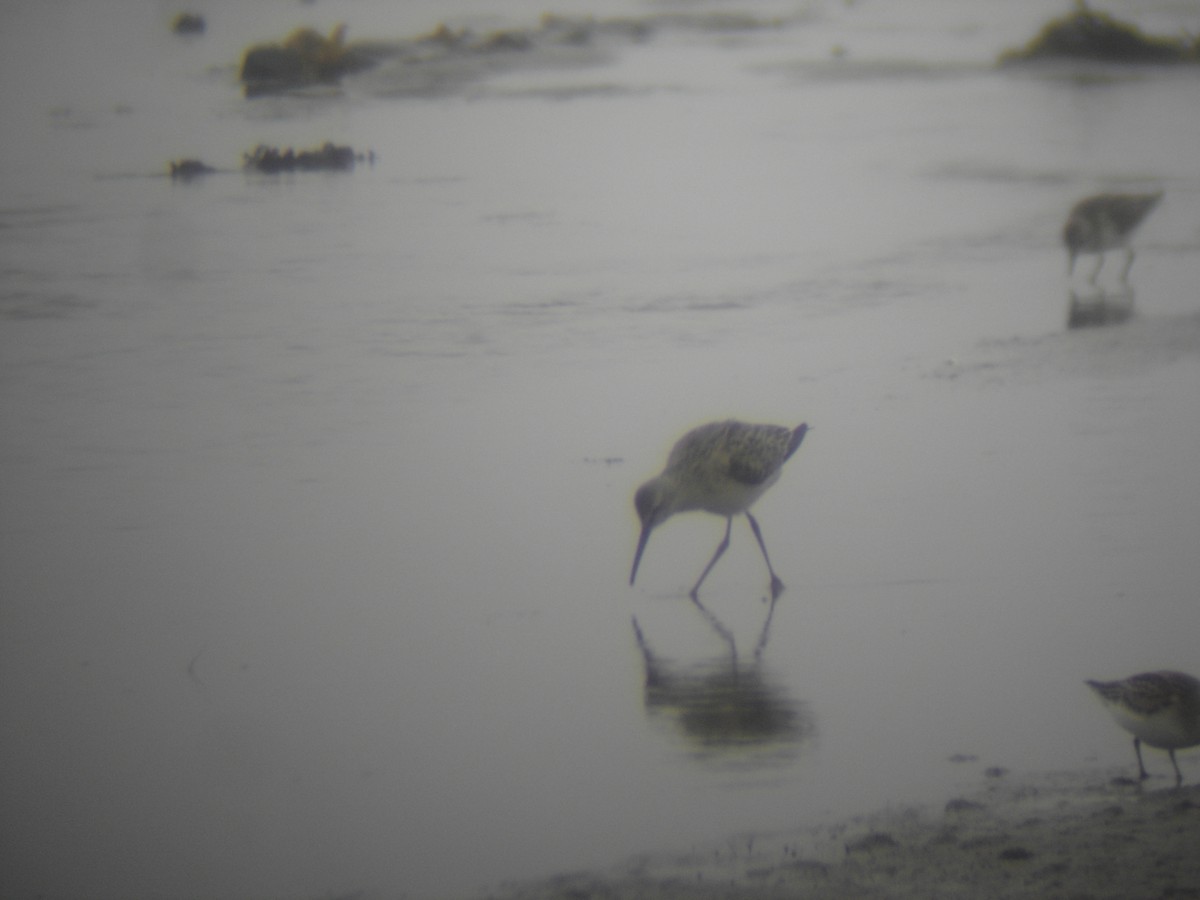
(721, 547)
(762, 638)
(1178, 774)
(1137, 748)
(776, 584)
(1096, 271)
(1128, 265)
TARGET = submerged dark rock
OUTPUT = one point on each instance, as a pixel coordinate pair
(448, 57)
(872, 841)
(1089, 36)
(189, 23)
(1015, 854)
(187, 169)
(327, 157)
(303, 59)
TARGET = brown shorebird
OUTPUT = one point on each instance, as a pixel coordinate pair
(1161, 709)
(721, 468)
(1105, 222)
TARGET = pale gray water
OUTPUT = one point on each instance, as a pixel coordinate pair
(316, 514)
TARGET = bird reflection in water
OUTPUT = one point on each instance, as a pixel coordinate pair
(1098, 309)
(729, 713)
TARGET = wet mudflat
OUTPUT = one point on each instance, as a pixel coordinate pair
(1061, 835)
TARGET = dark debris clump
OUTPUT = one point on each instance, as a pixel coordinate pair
(1091, 36)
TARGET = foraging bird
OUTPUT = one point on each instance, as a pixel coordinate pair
(1161, 709)
(1105, 222)
(721, 468)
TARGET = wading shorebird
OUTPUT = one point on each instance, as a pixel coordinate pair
(1161, 709)
(721, 468)
(1105, 222)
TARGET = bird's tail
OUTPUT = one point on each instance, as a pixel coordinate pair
(797, 438)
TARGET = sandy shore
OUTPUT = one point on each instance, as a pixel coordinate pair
(1069, 835)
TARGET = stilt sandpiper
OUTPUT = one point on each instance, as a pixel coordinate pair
(721, 468)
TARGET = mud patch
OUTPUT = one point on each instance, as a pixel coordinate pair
(1058, 835)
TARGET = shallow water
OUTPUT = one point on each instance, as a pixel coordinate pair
(316, 519)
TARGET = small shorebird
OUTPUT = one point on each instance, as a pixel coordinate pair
(1161, 709)
(1105, 222)
(721, 468)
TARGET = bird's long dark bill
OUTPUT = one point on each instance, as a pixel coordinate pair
(637, 557)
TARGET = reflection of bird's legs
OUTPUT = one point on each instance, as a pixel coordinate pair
(641, 638)
(1096, 271)
(721, 547)
(725, 634)
(762, 638)
(652, 675)
(1128, 265)
(776, 584)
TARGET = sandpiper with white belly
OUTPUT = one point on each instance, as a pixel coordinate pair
(1160, 709)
